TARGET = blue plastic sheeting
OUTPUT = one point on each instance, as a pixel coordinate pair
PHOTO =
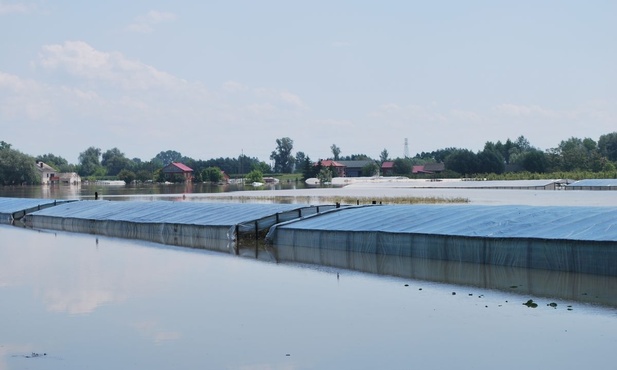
(564, 223)
(489, 184)
(188, 213)
(11, 207)
(594, 183)
(199, 225)
(573, 239)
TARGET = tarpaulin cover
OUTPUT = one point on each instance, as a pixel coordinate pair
(192, 224)
(577, 239)
(594, 183)
(571, 223)
(10, 207)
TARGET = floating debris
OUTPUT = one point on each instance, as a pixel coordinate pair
(552, 304)
(513, 286)
(530, 303)
(32, 355)
(406, 284)
(453, 293)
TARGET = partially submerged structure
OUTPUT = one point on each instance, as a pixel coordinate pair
(574, 239)
(593, 184)
(192, 224)
(571, 239)
(176, 170)
(12, 209)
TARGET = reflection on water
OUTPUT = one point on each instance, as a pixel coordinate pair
(557, 284)
(96, 302)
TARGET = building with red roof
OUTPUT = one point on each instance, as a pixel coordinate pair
(176, 169)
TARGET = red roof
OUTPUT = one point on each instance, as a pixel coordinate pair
(388, 164)
(180, 166)
(330, 163)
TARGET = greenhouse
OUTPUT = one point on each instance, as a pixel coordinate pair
(191, 224)
(15, 208)
(574, 239)
(593, 184)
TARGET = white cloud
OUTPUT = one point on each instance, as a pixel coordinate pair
(145, 23)
(79, 59)
(517, 110)
(78, 90)
(16, 8)
(292, 99)
(234, 86)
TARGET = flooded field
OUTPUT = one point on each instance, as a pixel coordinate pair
(75, 301)
(79, 301)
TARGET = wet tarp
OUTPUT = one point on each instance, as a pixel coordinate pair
(593, 184)
(193, 224)
(578, 239)
(15, 208)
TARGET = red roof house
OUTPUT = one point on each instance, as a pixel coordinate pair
(175, 169)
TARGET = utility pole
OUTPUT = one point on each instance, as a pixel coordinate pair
(406, 149)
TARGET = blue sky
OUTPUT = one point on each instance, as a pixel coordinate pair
(220, 78)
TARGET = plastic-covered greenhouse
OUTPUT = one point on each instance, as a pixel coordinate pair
(15, 208)
(211, 225)
(575, 239)
(593, 184)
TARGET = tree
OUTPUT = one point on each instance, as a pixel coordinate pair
(300, 158)
(212, 174)
(114, 161)
(534, 161)
(143, 175)
(371, 169)
(575, 153)
(90, 163)
(283, 160)
(402, 166)
(17, 168)
(383, 156)
(167, 157)
(336, 151)
(490, 161)
(607, 146)
(309, 169)
(255, 176)
(127, 176)
(325, 175)
(462, 161)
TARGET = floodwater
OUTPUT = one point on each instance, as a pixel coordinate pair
(79, 301)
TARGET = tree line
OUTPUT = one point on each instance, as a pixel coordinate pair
(571, 155)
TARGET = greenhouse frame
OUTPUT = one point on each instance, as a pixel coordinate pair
(192, 224)
(574, 239)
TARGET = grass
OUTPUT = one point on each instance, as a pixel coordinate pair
(347, 200)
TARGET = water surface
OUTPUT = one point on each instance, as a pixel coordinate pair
(90, 302)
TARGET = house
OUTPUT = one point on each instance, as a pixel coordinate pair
(354, 168)
(387, 168)
(339, 168)
(429, 168)
(50, 175)
(69, 178)
(177, 169)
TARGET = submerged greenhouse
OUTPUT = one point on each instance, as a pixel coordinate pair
(191, 224)
(15, 208)
(574, 239)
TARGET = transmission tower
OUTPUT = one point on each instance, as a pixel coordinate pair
(406, 149)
